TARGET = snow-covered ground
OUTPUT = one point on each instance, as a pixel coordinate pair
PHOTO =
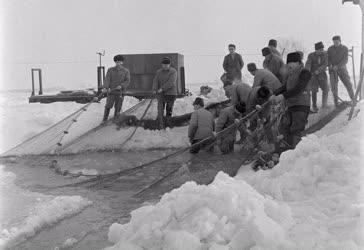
(24, 213)
(313, 199)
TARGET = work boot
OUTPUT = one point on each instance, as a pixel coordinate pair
(106, 115)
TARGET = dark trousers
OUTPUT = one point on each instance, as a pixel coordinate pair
(165, 102)
(319, 81)
(292, 125)
(208, 145)
(343, 74)
(116, 101)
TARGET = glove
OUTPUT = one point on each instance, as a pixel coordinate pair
(160, 91)
(237, 122)
(258, 107)
(118, 87)
(104, 90)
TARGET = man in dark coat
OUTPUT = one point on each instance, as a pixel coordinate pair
(233, 64)
(116, 81)
(263, 77)
(317, 63)
(165, 86)
(272, 45)
(273, 63)
(296, 94)
(337, 60)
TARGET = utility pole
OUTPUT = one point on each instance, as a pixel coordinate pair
(361, 5)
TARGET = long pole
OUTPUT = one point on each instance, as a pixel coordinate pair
(353, 62)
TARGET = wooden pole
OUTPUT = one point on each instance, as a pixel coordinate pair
(353, 62)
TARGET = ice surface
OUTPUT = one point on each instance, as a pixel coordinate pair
(310, 200)
(24, 213)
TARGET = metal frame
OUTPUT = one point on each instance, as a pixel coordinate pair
(40, 81)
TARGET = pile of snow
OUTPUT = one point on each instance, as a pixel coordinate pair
(310, 200)
(25, 213)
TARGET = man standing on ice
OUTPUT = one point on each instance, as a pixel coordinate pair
(165, 86)
(337, 60)
(233, 64)
(296, 94)
(116, 81)
(317, 63)
(273, 63)
(201, 127)
(272, 45)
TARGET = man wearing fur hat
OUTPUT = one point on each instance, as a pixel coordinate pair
(317, 63)
(165, 86)
(296, 94)
(116, 81)
(233, 64)
(337, 60)
(273, 63)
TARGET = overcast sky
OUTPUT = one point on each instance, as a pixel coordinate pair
(62, 36)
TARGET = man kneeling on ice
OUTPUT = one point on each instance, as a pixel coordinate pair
(116, 81)
(201, 127)
(227, 117)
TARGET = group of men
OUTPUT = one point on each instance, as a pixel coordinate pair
(292, 83)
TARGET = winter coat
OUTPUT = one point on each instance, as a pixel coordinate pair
(166, 80)
(264, 77)
(296, 90)
(117, 76)
(226, 118)
(233, 65)
(317, 61)
(274, 64)
(337, 56)
(202, 124)
(240, 93)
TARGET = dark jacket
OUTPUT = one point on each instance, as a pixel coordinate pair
(240, 93)
(233, 65)
(274, 64)
(264, 77)
(117, 76)
(337, 56)
(202, 124)
(296, 90)
(317, 61)
(166, 80)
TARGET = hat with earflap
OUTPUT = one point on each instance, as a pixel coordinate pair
(293, 57)
(319, 45)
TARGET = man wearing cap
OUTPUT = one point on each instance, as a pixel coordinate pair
(296, 94)
(228, 116)
(273, 63)
(337, 60)
(165, 86)
(272, 45)
(263, 77)
(201, 127)
(116, 81)
(317, 63)
(233, 64)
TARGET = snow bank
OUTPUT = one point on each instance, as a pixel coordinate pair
(311, 200)
(25, 213)
(227, 212)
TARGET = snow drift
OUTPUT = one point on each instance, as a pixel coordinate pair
(310, 200)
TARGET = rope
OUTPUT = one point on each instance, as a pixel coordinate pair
(142, 166)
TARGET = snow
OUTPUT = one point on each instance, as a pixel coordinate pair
(310, 200)
(24, 213)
